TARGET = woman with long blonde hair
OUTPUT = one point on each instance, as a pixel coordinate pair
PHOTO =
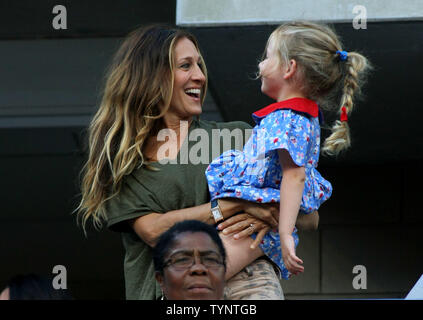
(157, 81)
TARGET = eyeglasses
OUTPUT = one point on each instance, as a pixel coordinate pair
(183, 261)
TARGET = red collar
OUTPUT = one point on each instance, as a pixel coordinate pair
(297, 104)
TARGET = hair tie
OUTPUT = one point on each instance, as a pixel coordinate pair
(343, 55)
(344, 115)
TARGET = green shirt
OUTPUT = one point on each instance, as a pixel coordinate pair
(173, 187)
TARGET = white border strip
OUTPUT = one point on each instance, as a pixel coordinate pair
(254, 12)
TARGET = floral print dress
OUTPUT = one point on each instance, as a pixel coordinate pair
(255, 174)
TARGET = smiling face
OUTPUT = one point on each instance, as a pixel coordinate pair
(189, 81)
(197, 282)
(271, 72)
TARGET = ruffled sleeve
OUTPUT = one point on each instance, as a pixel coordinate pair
(285, 129)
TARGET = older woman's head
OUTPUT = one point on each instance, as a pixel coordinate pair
(190, 262)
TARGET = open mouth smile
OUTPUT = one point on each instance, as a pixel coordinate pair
(194, 93)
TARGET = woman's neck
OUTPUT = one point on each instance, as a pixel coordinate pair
(178, 125)
(179, 128)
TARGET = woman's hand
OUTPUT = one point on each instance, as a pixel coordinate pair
(290, 259)
(266, 212)
(307, 222)
(244, 225)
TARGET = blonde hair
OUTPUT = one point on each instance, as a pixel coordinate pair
(136, 95)
(321, 73)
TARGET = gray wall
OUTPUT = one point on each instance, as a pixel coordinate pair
(373, 219)
(49, 90)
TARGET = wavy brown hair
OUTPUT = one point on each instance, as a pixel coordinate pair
(322, 74)
(136, 95)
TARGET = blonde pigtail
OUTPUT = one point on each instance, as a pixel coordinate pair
(340, 139)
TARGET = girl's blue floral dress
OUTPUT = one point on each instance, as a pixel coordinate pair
(255, 174)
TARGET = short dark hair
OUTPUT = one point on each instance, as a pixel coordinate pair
(35, 287)
(167, 239)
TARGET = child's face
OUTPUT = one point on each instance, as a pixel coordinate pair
(271, 73)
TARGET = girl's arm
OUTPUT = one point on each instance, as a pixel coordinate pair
(292, 187)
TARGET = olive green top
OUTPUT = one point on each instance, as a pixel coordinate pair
(175, 186)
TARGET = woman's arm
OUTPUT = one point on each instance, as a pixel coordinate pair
(151, 226)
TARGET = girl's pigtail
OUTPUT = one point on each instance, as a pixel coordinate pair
(356, 65)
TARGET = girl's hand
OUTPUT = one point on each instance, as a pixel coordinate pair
(244, 225)
(292, 262)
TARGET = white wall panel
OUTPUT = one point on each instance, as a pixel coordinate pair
(234, 12)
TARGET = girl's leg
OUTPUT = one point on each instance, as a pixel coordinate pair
(239, 254)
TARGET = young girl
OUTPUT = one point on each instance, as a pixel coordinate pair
(304, 67)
